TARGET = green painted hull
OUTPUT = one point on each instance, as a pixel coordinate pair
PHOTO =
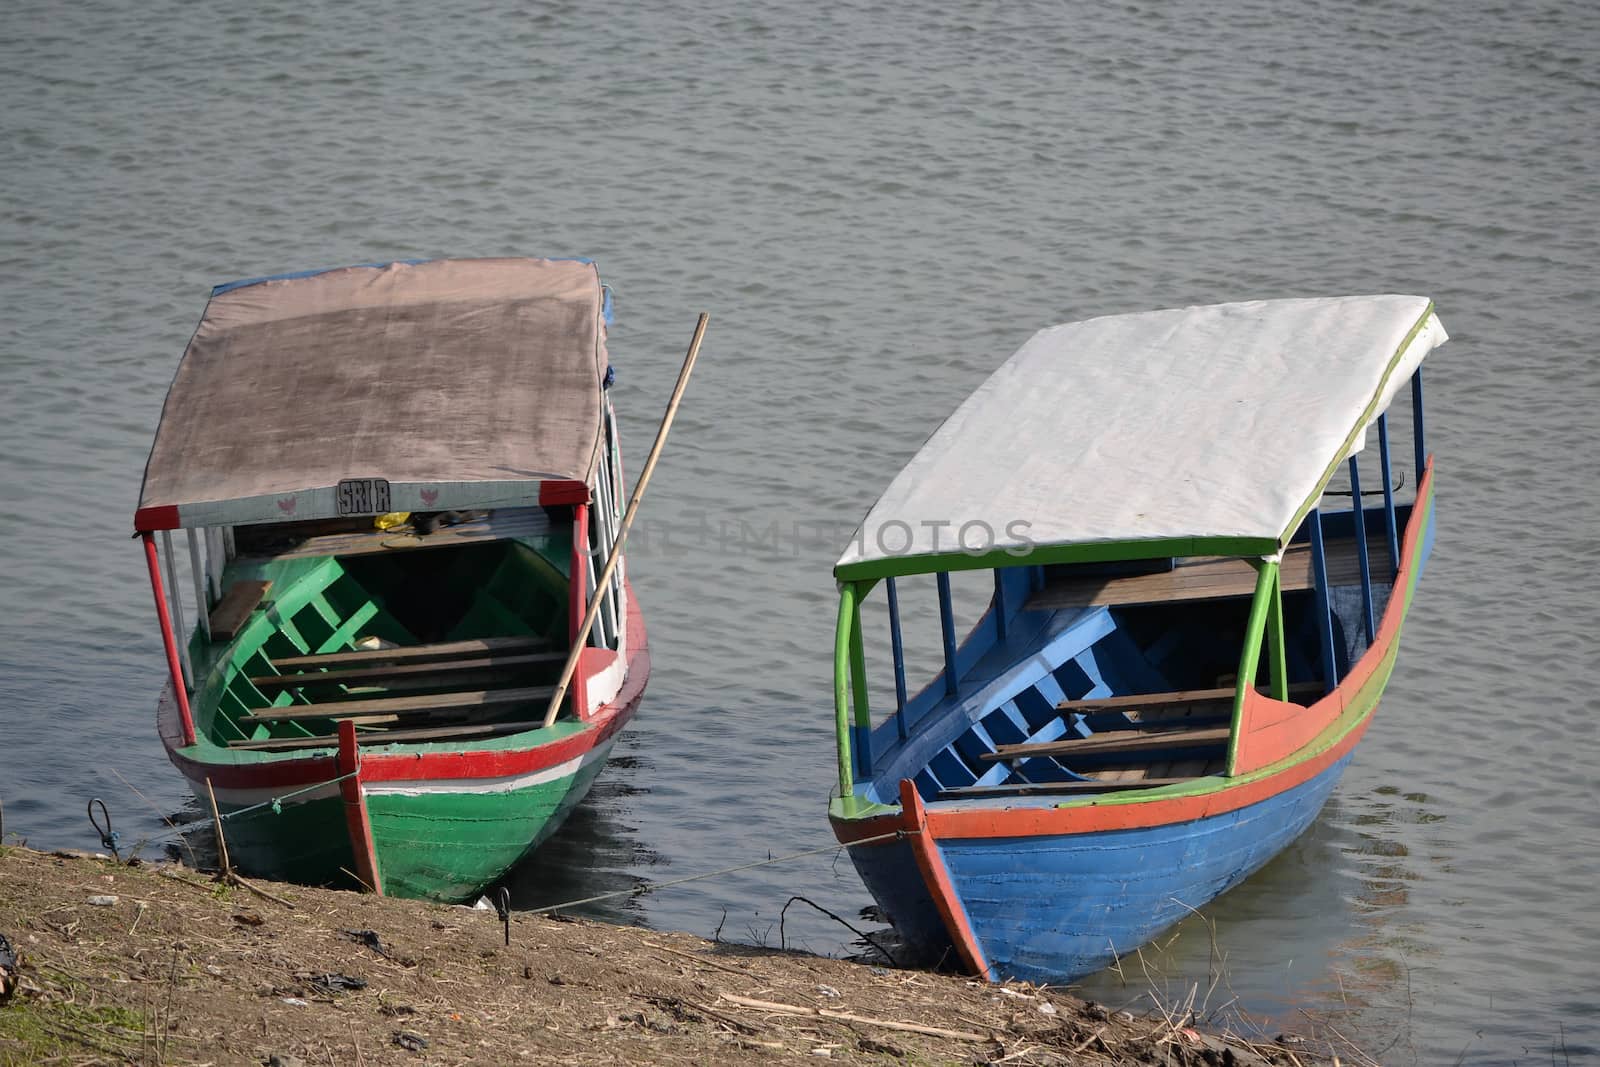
(437, 844)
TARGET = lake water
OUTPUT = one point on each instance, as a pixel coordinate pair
(877, 204)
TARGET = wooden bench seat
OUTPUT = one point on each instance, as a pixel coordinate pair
(1024, 789)
(458, 731)
(405, 707)
(508, 666)
(445, 650)
(235, 608)
(1115, 741)
(1157, 700)
(1210, 578)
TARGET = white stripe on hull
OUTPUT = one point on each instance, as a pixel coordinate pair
(242, 798)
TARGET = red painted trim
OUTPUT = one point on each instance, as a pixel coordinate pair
(168, 640)
(1273, 730)
(355, 809)
(287, 774)
(578, 605)
(558, 493)
(160, 517)
(936, 876)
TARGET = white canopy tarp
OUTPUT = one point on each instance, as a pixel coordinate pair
(1219, 422)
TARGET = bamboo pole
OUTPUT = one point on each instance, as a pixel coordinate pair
(222, 842)
(581, 638)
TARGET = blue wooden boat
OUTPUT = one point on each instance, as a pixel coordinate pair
(1184, 631)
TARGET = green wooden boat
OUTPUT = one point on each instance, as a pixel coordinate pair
(398, 484)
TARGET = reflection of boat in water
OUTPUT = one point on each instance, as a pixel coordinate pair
(1184, 641)
(398, 485)
(593, 854)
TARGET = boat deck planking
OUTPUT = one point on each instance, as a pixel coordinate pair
(403, 706)
(1111, 741)
(460, 731)
(236, 607)
(443, 650)
(1092, 785)
(509, 666)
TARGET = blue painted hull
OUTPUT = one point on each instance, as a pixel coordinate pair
(1056, 908)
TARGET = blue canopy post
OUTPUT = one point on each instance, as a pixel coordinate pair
(947, 626)
(1391, 529)
(1359, 514)
(1319, 572)
(1416, 423)
(897, 647)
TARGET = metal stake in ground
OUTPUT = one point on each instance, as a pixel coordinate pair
(581, 638)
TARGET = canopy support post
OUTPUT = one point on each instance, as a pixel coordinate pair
(1416, 423)
(947, 626)
(1319, 571)
(1278, 661)
(168, 641)
(577, 604)
(1259, 623)
(858, 686)
(187, 673)
(197, 572)
(214, 560)
(1359, 515)
(841, 686)
(1391, 529)
(897, 647)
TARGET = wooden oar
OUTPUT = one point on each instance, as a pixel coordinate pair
(581, 638)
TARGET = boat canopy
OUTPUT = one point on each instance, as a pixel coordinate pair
(1193, 431)
(468, 383)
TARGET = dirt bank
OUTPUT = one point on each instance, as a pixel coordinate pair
(160, 965)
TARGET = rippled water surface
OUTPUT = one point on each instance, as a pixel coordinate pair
(877, 204)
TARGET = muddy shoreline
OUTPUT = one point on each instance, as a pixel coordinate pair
(159, 964)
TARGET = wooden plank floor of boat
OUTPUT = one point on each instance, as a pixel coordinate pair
(453, 732)
(443, 650)
(412, 707)
(509, 666)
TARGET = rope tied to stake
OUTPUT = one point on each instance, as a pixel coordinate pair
(274, 803)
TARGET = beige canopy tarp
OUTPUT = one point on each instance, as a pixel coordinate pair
(459, 383)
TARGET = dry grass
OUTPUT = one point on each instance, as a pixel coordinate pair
(180, 970)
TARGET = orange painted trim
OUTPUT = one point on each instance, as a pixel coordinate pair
(355, 809)
(1091, 819)
(936, 876)
(1273, 730)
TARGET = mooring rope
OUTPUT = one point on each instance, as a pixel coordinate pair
(653, 887)
(275, 803)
